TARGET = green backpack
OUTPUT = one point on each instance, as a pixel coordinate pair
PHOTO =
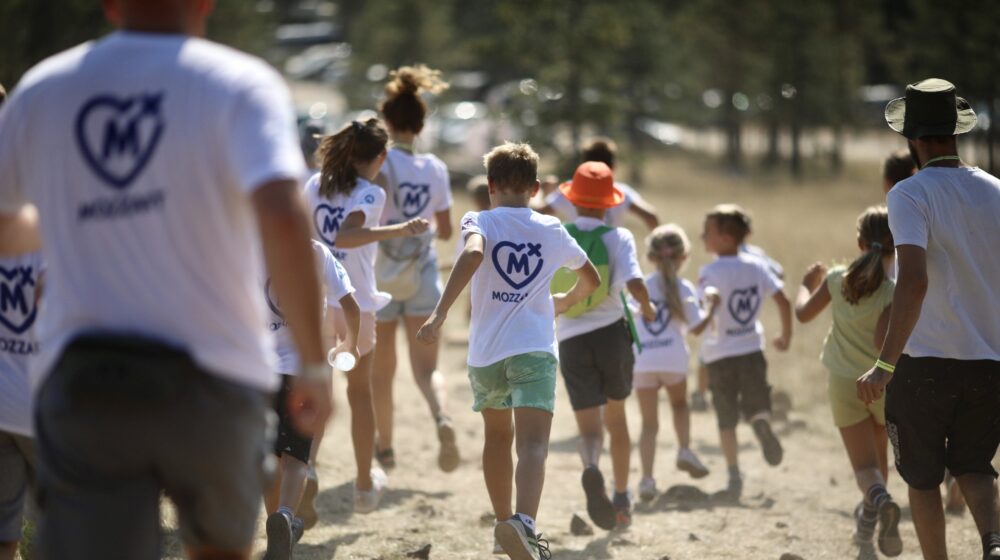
(597, 252)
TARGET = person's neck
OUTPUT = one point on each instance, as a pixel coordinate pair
(510, 200)
(404, 140)
(728, 252)
(945, 156)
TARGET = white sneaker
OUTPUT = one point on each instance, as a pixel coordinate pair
(647, 488)
(687, 461)
(497, 549)
(366, 501)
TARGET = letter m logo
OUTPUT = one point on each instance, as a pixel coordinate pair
(517, 263)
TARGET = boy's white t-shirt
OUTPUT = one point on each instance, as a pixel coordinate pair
(664, 348)
(19, 278)
(624, 266)
(773, 265)
(141, 151)
(329, 214)
(954, 214)
(744, 282)
(337, 285)
(615, 216)
(512, 310)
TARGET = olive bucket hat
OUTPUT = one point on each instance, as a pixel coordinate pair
(930, 108)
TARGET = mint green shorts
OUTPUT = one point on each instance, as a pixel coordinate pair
(521, 381)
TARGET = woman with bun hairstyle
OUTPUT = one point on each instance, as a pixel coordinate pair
(417, 187)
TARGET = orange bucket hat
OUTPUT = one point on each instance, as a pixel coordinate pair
(593, 186)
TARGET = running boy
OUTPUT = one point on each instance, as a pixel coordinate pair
(512, 349)
(595, 344)
(291, 447)
(733, 350)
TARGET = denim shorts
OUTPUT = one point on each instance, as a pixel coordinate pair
(422, 303)
(520, 381)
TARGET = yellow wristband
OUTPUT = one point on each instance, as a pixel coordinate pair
(885, 366)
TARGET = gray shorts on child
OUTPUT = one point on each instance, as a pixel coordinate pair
(121, 420)
(739, 385)
(17, 472)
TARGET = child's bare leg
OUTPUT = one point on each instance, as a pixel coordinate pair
(317, 439)
(424, 362)
(383, 375)
(293, 482)
(649, 408)
(621, 444)
(861, 445)
(272, 494)
(359, 397)
(498, 466)
(681, 413)
(589, 423)
(702, 378)
(730, 447)
(533, 426)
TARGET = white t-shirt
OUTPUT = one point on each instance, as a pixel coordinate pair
(744, 282)
(328, 214)
(337, 286)
(140, 151)
(615, 216)
(419, 187)
(624, 266)
(664, 349)
(953, 213)
(18, 313)
(512, 311)
(773, 265)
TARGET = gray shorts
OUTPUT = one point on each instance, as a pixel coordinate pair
(17, 474)
(597, 365)
(739, 385)
(422, 303)
(120, 420)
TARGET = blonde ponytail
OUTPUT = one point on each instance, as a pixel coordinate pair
(667, 246)
(866, 274)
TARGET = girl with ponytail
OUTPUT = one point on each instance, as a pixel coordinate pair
(859, 295)
(417, 187)
(662, 353)
(346, 208)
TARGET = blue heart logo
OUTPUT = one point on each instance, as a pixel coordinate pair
(17, 298)
(272, 301)
(117, 136)
(412, 199)
(517, 270)
(662, 319)
(327, 221)
(743, 304)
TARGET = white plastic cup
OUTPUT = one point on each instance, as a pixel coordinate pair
(344, 361)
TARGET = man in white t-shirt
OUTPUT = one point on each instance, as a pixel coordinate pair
(604, 151)
(153, 374)
(940, 363)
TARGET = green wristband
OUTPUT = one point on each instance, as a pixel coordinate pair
(885, 366)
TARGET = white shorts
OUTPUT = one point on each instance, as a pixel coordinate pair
(366, 334)
(656, 380)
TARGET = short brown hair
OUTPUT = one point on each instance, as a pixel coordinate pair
(732, 220)
(898, 166)
(512, 166)
(600, 149)
(358, 142)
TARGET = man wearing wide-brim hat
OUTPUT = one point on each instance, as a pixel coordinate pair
(940, 363)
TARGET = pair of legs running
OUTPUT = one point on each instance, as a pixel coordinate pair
(430, 381)
(591, 423)
(866, 443)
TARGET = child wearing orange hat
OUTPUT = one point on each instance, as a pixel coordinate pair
(595, 341)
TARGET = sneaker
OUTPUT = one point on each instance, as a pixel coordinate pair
(497, 549)
(623, 510)
(734, 488)
(298, 529)
(279, 537)
(448, 457)
(366, 501)
(688, 462)
(889, 541)
(768, 442)
(599, 507)
(698, 402)
(386, 458)
(520, 543)
(307, 507)
(647, 489)
(864, 528)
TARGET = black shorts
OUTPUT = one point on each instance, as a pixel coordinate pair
(942, 413)
(597, 365)
(739, 384)
(289, 441)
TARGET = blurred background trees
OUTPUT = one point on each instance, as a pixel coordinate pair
(781, 83)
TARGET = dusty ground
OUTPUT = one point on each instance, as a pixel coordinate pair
(802, 507)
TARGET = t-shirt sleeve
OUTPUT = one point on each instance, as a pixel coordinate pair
(261, 137)
(771, 283)
(626, 260)
(573, 256)
(369, 201)
(469, 225)
(12, 192)
(338, 284)
(908, 219)
(444, 184)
